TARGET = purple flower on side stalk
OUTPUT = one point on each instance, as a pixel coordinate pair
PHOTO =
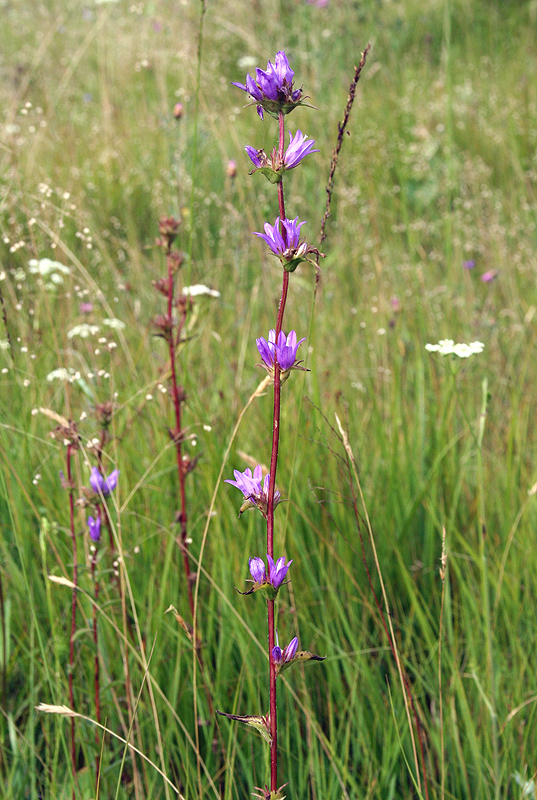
(286, 243)
(94, 526)
(470, 264)
(285, 351)
(272, 166)
(102, 485)
(272, 90)
(488, 277)
(287, 654)
(255, 489)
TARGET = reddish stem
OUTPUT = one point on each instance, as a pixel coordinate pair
(178, 433)
(73, 610)
(96, 681)
(272, 485)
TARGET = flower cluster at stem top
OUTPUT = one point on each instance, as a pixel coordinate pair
(272, 90)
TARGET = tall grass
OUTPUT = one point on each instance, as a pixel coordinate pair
(439, 168)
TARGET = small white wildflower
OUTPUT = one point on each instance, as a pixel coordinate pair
(26, 383)
(5, 371)
(529, 788)
(34, 411)
(448, 347)
(136, 549)
(199, 289)
(46, 267)
(60, 374)
(149, 397)
(115, 324)
(4, 344)
(84, 330)
(207, 428)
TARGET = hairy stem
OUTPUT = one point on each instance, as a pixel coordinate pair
(272, 485)
(178, 396)
(73, 610)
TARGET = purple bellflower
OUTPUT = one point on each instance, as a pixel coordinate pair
(284, 350)
(102, 485)
(276, 571)
(254, 489)
(272, 90)
(272, 166)
(286, 243)
(94, 526)
(287, 654)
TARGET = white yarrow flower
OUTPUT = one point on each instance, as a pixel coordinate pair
(63, 374)
(529, 788)
(46, 267)
(447, 347)
(199, 289)
(84, 330)
(115, 324)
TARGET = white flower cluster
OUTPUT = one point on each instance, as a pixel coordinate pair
(115, 324)
(447, 347)
(62, 374)
(84, 330)
(53, 271)
(199, 289)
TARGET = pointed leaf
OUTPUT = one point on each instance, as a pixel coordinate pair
(302, 655)
(258, 723)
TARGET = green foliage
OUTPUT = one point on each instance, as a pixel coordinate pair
(439, 168)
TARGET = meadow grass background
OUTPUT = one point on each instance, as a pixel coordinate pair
(440, 168)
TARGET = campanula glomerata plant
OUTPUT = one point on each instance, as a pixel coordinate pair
(273, 91)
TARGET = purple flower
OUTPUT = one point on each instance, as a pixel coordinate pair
(287, 654)
(470, 264)
(298, 148)
(273, 88)
(272, 165)
(102, 485)
(280, 244)
(94, 526)
(488, 277)
(254, 489)
(277, 571)
(257, 157)
(258, 570)
(285, 351)
(283, 238)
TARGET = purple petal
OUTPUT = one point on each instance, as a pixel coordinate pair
(257, 569)
(94, 526)
(253, 155)
(96, 480)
